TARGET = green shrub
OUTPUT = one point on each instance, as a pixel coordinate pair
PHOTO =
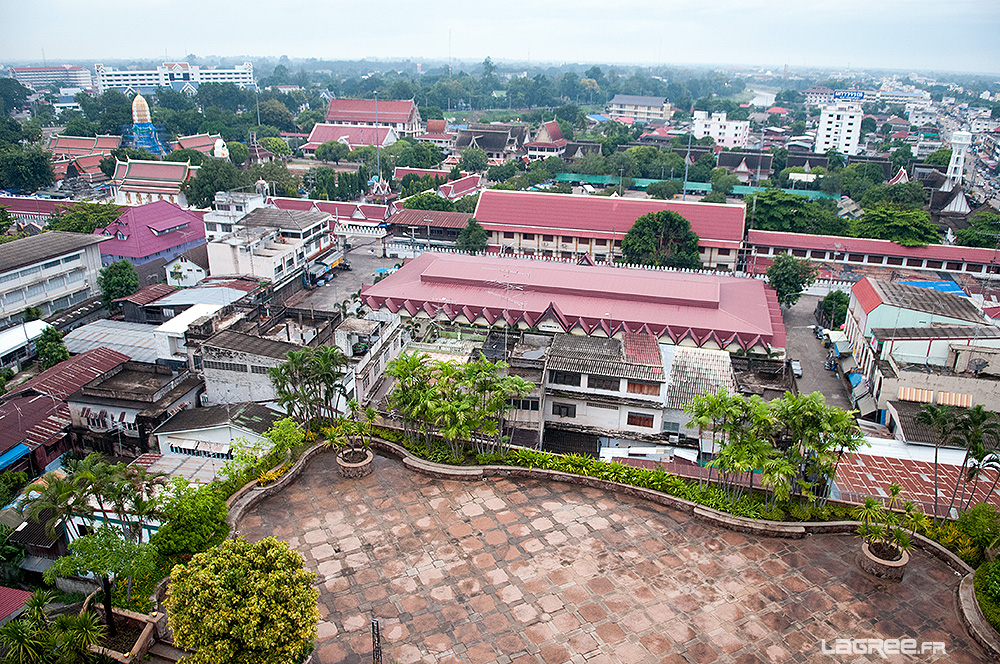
(777, 514)
(11, 483)
(798, 512)
(987, 584)
(981, 524)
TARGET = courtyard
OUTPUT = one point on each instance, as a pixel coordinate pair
(528, 571)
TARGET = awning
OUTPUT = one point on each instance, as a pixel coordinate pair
(866, 406)
(844, 347)
(206, 446)
(847, 362)
(955, 399)
(36, 563)
(855, 379)
(13, 454)
(915, 394)
(860, 388)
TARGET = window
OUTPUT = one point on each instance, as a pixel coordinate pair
(641, 387)
(640, 420)
(601, 243)
(547, 238)
(568, 240)
(801, 253)
(258, 369)
(856, 258)
(509, 235)
(524, 404)
(563, 409)
(954, 266)
(225, 366)
(914, 262)
(934, 265)
(528, 236)
(724, 252)
(894, 260)
(603, 383)
(564, 378)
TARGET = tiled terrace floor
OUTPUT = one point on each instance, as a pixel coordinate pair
(526, 571)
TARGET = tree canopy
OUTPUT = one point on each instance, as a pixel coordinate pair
(983, 231)
(244, 603)
(332, 151)
(891, 221)
(474, 160)
(84, 217)
(789, 276)
(50, 348)
(214, 176)
(117, 280)
(776, 210)
(429, 200)
(187, 154)
(472, 239)
(662, 238)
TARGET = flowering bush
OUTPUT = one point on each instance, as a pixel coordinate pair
(269, 476)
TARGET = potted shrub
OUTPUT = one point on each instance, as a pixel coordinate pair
(353, 438)
(887, 535)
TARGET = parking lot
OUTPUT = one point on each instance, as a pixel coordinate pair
(804, 347)
(364, 257)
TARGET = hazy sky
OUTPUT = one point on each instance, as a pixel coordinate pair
(962, 35)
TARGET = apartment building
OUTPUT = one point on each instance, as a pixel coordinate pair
(839, 129)
(52, 271)
(39, 78)
(179, 76)
(639, 109)
(726, 133)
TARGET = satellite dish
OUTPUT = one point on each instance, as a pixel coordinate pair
(978, 364)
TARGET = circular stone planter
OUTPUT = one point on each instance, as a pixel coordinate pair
(358, 469)
(891, 570)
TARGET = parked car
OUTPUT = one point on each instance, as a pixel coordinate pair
(797, 368)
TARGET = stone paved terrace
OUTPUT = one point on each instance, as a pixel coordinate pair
(526, 571)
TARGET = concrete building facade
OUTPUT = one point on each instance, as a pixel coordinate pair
(839, 128)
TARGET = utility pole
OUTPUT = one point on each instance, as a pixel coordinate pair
(687, 165)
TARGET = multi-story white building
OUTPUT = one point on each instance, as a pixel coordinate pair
(38, 78)
(370, 344)
(180, 76)
(640, 109)
(921, 115)
(839, 129)
(818, 96)
(727, 133)
(273, 244)
(52, 271)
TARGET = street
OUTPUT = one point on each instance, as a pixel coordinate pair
(364, 259)
(807, 349)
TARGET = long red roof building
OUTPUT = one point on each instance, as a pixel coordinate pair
(676, 307)
(591, 221)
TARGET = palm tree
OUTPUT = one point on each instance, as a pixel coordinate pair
(978, 429)
(55, 500)
(327, 369)
(942, 419)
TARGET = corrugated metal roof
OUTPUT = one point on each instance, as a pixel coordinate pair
(602, 356)
(247, 343)
(938, 332)
(696, 371)
(38, 248)
(132, 339)
(251, 416)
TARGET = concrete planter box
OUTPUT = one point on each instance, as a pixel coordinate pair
(891, 570)
(142, 644)
(356, 470)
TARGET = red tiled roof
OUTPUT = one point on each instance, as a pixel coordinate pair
(461, 187)
(148, 294)
(339, 209)
(147, 230)
(152, 176)
(863, 475)
(600, 216)
(669, 305)
(33, 207)
(438, 219)
(866, 294)
(363, 110)
(78, 146)
(836, 243)
(203, 143)
(400, 172)
(437, 126)
(353, 136)
(11, 599)
(641, 349)
(780, 110)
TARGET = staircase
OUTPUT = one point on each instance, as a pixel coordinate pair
(163, 652)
